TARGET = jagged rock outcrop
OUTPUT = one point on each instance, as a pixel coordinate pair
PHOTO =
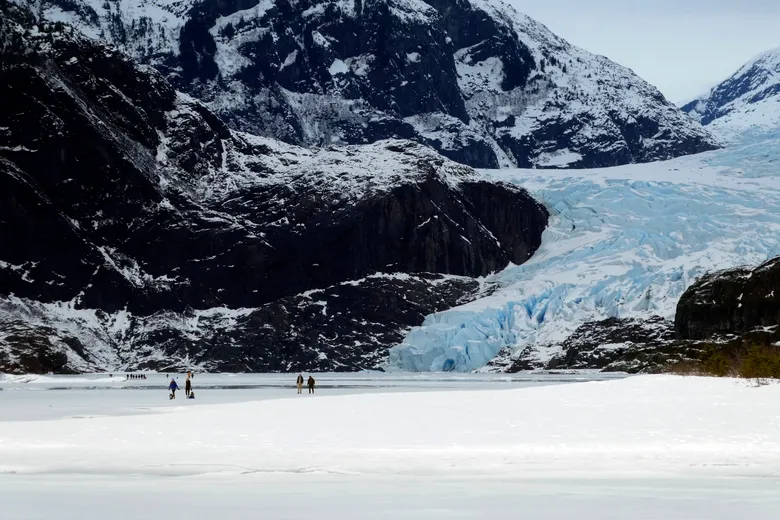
(481, 83)
(345, 327)
(731, 303)
(614, 345)
(130, 209)
(622, 345)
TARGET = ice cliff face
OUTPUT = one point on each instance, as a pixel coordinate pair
(482, 84)
(746, 103)
(139, 231)
(623, 245)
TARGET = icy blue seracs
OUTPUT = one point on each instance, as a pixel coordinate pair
(622, 242)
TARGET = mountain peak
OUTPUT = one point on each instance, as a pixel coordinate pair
(474, 79)
(745, 104)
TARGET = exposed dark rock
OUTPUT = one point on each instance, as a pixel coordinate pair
(26, 348)
(745, 103)
(730, 303)
(479, 82)
(625, 345)
(129, 210)
(346, 327)
(612, 345)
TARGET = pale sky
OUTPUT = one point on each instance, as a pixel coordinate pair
(683, 47)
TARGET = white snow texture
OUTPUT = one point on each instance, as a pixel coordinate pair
(747, 103)
(569, 85)
(639, 425)
(622, 242)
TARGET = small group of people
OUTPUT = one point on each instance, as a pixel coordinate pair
(173, 386)
(134, 376)
(310, 383)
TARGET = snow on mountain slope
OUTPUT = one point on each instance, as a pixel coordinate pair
(138, 230)
(140, 27)
(474, 79)
(623, 242)
(746, 103)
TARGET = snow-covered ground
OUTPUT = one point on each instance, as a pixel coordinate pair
(36, 397)
(642, 447)
(335, 497)
(622, 242)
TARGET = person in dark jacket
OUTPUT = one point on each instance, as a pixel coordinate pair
(299, 382)
(173, 387)
(188, 386)
(311, 383)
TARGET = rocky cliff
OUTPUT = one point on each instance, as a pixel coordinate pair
(732, 309)
(138, 230)
(479, 82)
(731, 303)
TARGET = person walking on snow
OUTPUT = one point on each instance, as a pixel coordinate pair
(311, 384)
(299, 382)
(188, 386)
(173, 387)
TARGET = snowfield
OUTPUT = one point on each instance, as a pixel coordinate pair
(622, 242)
(644, 447)
(645, 425)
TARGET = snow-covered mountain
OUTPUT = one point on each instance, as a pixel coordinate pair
(137, 230)
(140, 231)
(746, 103)
(474, 79)
(623, 245)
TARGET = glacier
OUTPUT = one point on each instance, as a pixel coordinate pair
(622, 242)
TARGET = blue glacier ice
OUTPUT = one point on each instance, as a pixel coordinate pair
(622, 242)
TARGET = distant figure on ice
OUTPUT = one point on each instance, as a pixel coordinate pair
(173, 387)
(311, 383)
(299, 382)
(192, 395)
(187, 386)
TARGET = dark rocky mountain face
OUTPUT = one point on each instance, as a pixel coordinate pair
(138, 230)
(731, 303)
(631, 345)
(477, 81)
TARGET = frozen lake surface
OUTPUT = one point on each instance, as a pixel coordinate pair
(390, 446)
(54, 397)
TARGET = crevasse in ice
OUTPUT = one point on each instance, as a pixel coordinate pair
(622, 242)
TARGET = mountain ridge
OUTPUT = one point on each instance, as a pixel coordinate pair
(746, 103)
(147, 234)
(477, 81)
